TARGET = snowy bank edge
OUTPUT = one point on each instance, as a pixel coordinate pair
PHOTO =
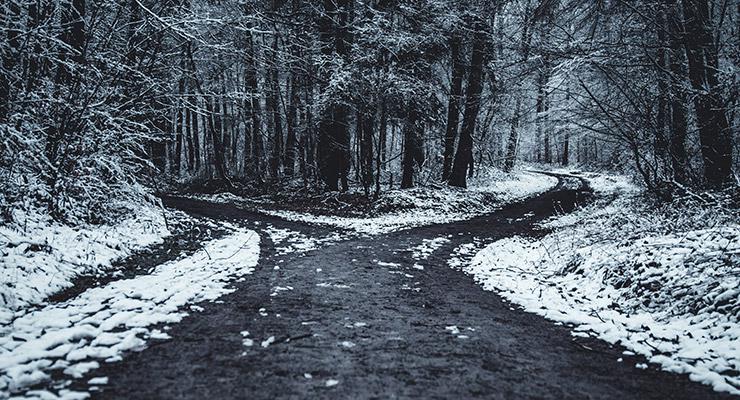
(517, 255)
(526, 185)
(56, 337)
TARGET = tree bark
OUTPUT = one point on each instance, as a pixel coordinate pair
(412, 152)
(333, 144)
(9, 57)
(273, 111)
(381, 152)
(715, 134)
(679, 100)
(543, 134)
(663, 113)
(291, 122)
(453, 108)
(366, 126)
(464, 154)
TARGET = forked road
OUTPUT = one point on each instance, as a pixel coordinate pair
(353, 328)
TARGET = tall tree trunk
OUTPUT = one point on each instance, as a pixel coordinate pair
(291, 124)
(179, 127)
(679, 99)
(216, 126)
(334, 138)
(513, 141)
(195, 114)
(9, 58)
(309, 134)
(366, 126)
(254, 163)
(663, 112)
(543, 134)
(273, 112)
(412, 150)
(453, 107)
(715, 134)
(381, 152)
(464, 154)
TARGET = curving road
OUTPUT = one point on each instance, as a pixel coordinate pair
(345, 326)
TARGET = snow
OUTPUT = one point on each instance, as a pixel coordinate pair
(426, 206)
(103, 323)
(101, 380)
(39, 257)
(662, 284)
(288, 241)
(427, 247)
(268, 341)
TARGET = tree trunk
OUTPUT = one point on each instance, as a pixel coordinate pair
(196, 136)
(715, 134)
(218, 148)
(381, 152)
(412, 153)
(543, 134)
(453, 108)
(334, 138)
(253, 110)
(9, 58)
(179, 127)
(513, 141)
(366, 126)
(663, 113)
(291, 121)
(464, 154)
(679, 100)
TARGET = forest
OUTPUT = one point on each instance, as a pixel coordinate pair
(103, 99)
(369, 199)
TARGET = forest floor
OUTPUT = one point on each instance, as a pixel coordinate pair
(325, 312)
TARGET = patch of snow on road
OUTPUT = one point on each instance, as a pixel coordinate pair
(388, 264)
(608, 269)
(288, 241)
(103, 323)
(462, 254)
(427, 247)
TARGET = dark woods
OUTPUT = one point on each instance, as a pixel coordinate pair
(101, 98)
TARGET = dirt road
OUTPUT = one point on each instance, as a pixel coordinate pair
(360, 319)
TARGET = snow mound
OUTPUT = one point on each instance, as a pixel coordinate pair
(633, 276)
(103, 323)
(39, 257)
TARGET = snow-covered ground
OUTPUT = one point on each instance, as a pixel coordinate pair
(664, 284)
(102, 323)
(421, 206)
(39, 257)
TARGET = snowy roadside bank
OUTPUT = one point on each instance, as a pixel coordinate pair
(40, 257)
(43, 348)
(424, 205)
(663, 284)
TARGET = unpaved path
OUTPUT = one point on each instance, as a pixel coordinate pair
(345, 326)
